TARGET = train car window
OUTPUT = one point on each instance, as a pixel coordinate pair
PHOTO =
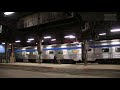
(51, 52)
(105, 49)
(23, 53)
(34, 53)
(27, 53)
(75, 51)
(117, 49)
(60, 52)
(69, 51)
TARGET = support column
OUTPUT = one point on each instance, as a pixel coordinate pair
(6, 53)
(12, 56)
(84, 52)
(39, 50)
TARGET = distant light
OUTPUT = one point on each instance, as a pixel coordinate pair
(36, 43)
(9, 44)
(28, 41)
(115, 30)
(17, 41)
(8, 13)
(69, 36)
(101, 34)
(53, 39)
(31, 39)
(90, 40)
(103, 41)
(3, 43)
(42, 40)
(47, 37)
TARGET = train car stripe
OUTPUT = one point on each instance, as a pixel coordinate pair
(70, 48)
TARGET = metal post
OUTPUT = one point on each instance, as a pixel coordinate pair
(39, 50)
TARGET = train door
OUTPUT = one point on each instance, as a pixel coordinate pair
(90, 54)
(115, 52)
(106, 53)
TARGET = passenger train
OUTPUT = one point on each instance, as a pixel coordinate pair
(105, 51)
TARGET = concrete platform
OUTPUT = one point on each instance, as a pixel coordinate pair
(67, 66)
(29, 70)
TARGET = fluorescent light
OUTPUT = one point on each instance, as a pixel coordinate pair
(115, 43)
(69, 36)
(76, 42)
(3, 43)
(63, 46)
(53, 39)
(101, 34)
(115, 40)
(115, 30)
(30, 39)
(104, 41)
(48, 47)
(8, 13)
(24, 49)
(18, 41)
(47, 37)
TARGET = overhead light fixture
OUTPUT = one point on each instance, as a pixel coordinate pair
(23, 48)
(28, 41)
(102, 34)
(8, 13)
(115, 43)
(115, 30)
(9, 44)
(76, 42)
(47, 37)
(17, 41)
(69, 36)
(31, 39)
(53, 39)
(3, 43)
